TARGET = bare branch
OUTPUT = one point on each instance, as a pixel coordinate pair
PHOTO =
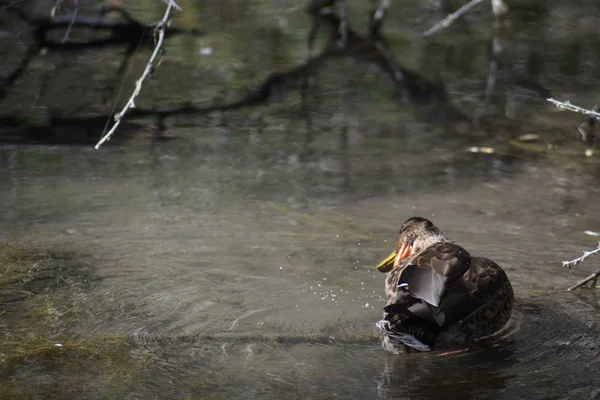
(593, 277)
(576, 261)
(446, 22)
(378, 16)
(160, 34)
(571, 107)
(171, 3)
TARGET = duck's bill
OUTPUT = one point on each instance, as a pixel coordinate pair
(387, 264)
(394, 259)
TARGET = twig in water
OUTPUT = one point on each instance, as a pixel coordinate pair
(589, 123)
(572, 107)
(446, 22)
(159, 30)
(593, 277)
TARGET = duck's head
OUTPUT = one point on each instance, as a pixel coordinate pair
(415, 235)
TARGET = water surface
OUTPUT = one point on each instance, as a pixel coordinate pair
(237, 258)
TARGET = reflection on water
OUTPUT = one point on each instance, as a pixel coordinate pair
(237, 259)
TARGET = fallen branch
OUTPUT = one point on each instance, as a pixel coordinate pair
(582, 282)
(159, 33)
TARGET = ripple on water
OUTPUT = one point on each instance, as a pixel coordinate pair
(547, 352)
(544, 353)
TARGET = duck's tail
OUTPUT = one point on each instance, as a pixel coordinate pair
(393, 340)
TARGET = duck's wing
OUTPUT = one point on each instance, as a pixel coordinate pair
(450, 283)
(484, 279)
(441, 286)
(433, 271)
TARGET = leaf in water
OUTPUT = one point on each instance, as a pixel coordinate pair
(528, 137)
(485, 150)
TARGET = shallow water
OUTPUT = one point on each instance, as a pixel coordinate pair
(238, 261)
(273, 293)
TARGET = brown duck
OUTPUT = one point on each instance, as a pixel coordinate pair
(437, 294)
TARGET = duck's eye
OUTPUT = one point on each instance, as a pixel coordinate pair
(401, 230)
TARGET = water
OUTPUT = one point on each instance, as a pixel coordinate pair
(237, 259)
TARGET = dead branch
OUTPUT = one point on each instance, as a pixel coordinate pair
(590, 122)
(572, 263)
(378, 16)
(593, 277)
(572, 107)
(159, 32)
(371, 50)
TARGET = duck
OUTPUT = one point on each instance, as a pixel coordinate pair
(438, 295)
